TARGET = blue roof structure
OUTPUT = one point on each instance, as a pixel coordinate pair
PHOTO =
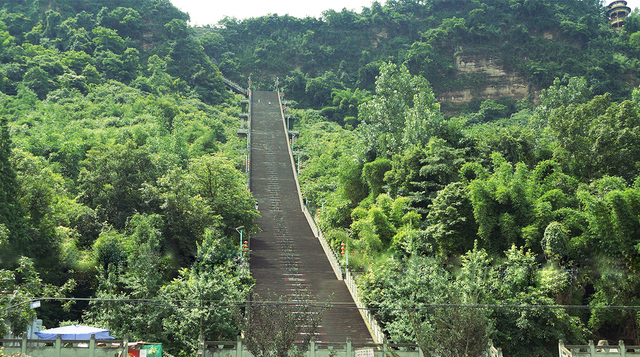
(75, 332)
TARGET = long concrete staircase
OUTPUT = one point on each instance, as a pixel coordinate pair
(286, 257)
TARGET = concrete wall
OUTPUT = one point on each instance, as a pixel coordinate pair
(315, 350)
(66, 348)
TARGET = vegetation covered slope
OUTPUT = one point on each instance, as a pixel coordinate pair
(484, 152)
(119, 165)
(121, 173)
(514, 47)
(522, 214)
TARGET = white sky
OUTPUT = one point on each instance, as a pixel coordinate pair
(209, 12)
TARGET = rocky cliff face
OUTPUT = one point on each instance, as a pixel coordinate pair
(496, 84)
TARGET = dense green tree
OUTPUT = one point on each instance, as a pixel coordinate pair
(572, 90)
(555, 241)
(450, 222)
(39, 81)
(24, 282)
(106, 39)
(351, 181)
(373, 174)
(501, 205)
(223, 187)
(112, 180)
(395, 286)
(190, 63)
(208, 284)
(345, 106)
(125, 20)
(385, 119)
(319, 89)
(11, 216)
(186, 215)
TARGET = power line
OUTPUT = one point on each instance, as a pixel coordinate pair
(346, 306)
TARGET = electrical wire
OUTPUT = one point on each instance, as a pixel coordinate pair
(345, 306)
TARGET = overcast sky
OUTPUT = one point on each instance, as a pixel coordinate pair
(209, 12)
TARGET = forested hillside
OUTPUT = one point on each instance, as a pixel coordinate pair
(467, 153)
(469, 50)
(519, 206)
(121, 173)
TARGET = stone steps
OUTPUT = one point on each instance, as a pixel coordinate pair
(286, 258)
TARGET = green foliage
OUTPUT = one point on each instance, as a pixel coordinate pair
(111, 125)
(25, 283)
(450, 221)
(554, 241)
(274, 330)
(319, 90)
(222, 186)
(190, 302)
(112, 181)
(11, 217)
(402, 110)
(393, 285)
(373, 174)
(345, 106)
(119, 155)
(501, 205)
(206, 284)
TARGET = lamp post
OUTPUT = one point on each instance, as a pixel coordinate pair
(239, 230)
(347, 248)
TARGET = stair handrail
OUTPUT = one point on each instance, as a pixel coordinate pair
(235, 86)
(370, 321)
(248, 163)
(337, 268)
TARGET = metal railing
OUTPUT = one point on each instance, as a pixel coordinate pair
(601, 349)
(370, 321)
(492, 351)
(248, 163)
(234, 86)
(333, 260)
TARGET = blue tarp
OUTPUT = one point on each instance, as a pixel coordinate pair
(75, 332)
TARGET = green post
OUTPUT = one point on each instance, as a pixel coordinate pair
(623, 349)
(23, 346)
(592, 348)
(239, 347)
(92, 346)
(348, 352)
(201, 346)
(125, 346)
(58, 346)
(312, 348)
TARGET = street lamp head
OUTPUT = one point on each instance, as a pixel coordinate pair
(239, 228)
